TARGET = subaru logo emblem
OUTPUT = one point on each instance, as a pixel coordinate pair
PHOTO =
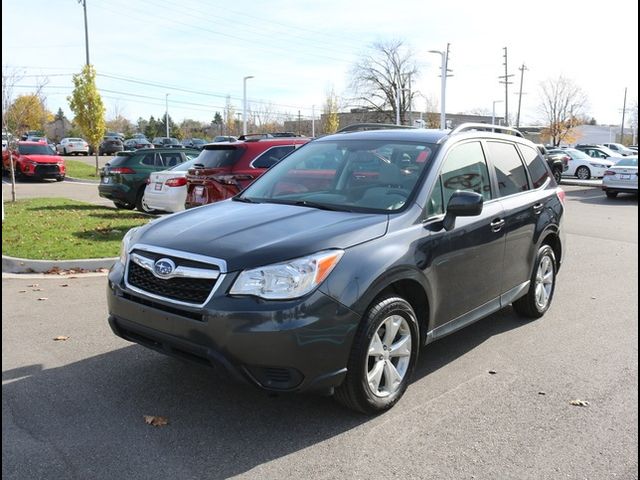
(164, 267)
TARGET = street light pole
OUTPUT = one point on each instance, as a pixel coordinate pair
(244, 103)
(443, 86)
(166, 114)
(493, 114)
(86, 28)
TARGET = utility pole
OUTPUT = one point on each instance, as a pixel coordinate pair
(522, 69)
(313, 121)
(624, 108)
(166, 113)
(444, 73)
(506, 82)
(86, 28)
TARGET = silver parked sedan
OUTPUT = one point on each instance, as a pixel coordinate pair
(621, 177)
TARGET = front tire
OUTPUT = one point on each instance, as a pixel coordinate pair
(383, 357)
(583, 173)
(557, 175)
(59, 178)
(542, 286)
(611, 194)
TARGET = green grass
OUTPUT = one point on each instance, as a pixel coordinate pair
(78, 169)
(62, 229)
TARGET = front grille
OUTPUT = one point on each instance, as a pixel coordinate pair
(190, 290)
(42, 170)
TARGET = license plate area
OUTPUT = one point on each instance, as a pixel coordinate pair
(158, 186)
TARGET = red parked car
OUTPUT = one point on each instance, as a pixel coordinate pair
(224, 169)
(35, 160)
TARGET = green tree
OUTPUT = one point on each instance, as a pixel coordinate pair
(151, 129)
(86, 104)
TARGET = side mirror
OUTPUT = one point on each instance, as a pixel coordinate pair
(462, 204)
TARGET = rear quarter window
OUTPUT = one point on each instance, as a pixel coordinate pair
(535, 165)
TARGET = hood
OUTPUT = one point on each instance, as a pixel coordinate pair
(251, 235)
(42, 158)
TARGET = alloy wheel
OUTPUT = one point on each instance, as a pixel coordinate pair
(389, 356)
(544, 282)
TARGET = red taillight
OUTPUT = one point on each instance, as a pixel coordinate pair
(561, 195)
(609, 172)
(122, 170)
(176, 182)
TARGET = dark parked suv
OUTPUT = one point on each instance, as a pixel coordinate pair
(331, 270)
(124, 178)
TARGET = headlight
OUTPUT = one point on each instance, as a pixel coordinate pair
(124, 246)
(287, 280)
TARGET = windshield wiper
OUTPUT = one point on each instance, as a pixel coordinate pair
(321, 206)
(244, 200)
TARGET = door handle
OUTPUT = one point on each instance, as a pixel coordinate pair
(537, 208)
(497, 224)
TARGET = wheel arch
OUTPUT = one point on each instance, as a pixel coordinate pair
(409, 284)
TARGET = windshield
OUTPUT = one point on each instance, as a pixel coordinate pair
(575, 154)
(42, 149)
(352, 175)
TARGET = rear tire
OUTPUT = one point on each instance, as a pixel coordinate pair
(542, 285)
(557, 174)
(124, 205)
(60, 178)
(611, 194)
(583, 173)
(141, 205)
(383, 357)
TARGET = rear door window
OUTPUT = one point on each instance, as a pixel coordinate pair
(272, 156)
(510, 172)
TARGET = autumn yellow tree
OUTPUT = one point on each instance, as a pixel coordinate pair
(27, 112)
(86, 104)
(331, 118)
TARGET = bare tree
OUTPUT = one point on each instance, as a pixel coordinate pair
(263, 114)
(563, 104)
(15, 113)
(331, 119)
(381, 78)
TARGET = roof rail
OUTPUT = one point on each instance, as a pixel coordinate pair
(359, 127)
(485, 126)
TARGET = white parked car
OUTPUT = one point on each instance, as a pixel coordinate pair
(69, 146)
(619, 149)
(167, 190)
(622, 177)
(582, 165)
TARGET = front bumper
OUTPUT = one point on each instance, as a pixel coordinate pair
(298, 345)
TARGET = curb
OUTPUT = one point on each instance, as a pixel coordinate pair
(26, 265)
(580, 183)
(81, 180)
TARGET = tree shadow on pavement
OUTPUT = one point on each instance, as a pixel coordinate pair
(85, 419)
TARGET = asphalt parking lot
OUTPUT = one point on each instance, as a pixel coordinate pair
(74, 408)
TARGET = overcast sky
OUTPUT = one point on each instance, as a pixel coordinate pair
(198, 51)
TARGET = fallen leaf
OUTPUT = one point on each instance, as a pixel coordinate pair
(22, 291)
(492, 372)
(155, 420)
(37, 289)
(64, 285)
(593, 298)
(542, 393)
(33, 285)
(60, 338)
(102, 270)
(42, 299)
(579, 403)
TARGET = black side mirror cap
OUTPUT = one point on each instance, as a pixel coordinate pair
(462, 204)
